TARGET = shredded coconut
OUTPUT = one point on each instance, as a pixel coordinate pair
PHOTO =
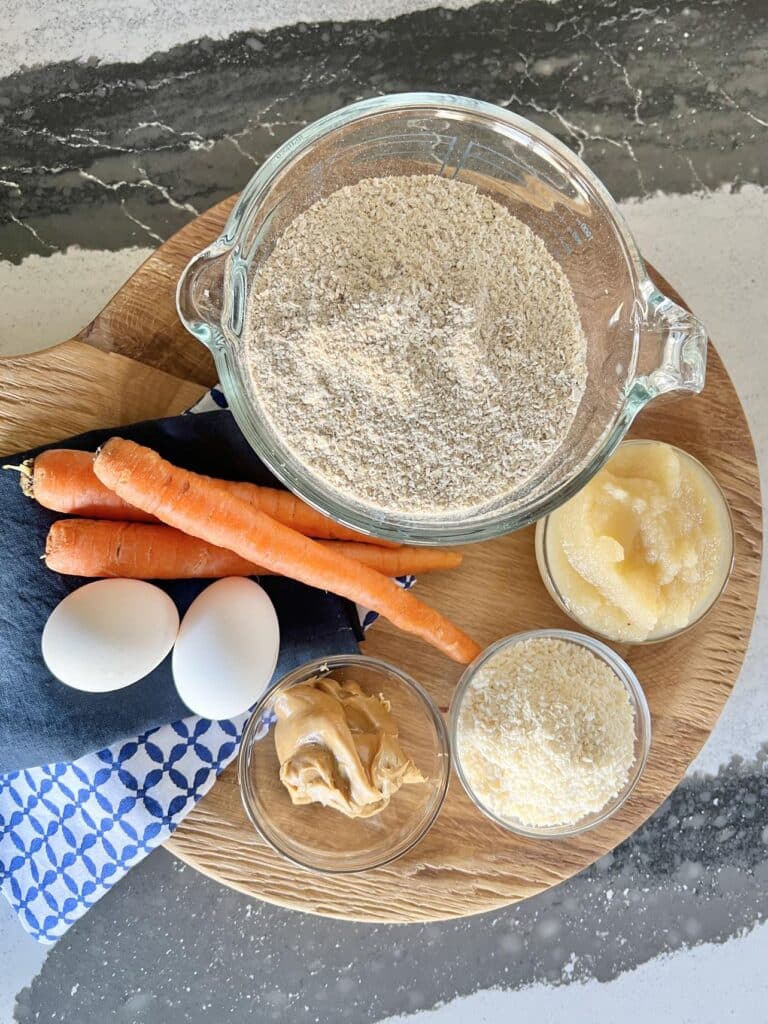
(415, 345)
(546, 733)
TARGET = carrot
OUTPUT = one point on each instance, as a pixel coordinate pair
(63, 480)
(142, 551)
(401, 562)
(189, 503)
(153, 551)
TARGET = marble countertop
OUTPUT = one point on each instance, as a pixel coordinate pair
(117, 125)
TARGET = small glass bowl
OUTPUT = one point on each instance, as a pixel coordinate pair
(321, 838)
(642, 719)
(547, 577)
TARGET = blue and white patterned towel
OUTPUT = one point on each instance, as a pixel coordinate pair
(68, 832)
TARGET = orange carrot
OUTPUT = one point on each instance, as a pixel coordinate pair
(401, 562)
(189, 503)
(63, 480)
(143, 551)
(153, 551)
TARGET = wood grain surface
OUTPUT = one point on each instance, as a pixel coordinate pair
(148, 366)
(71, 388)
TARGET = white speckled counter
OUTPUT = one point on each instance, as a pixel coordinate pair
(107, 147)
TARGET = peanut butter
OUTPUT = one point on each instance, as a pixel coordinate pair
(339, 747)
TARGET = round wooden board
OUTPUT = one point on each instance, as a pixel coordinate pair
(466, 864)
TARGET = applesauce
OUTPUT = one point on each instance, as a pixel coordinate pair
(644, 550)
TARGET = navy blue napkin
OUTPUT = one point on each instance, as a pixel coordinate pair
(41, 720)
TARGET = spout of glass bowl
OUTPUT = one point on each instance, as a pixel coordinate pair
(672, 353)
(201, 295)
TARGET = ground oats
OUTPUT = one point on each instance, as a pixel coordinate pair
(415, 345)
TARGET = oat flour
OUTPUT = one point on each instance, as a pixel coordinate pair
(415, 345)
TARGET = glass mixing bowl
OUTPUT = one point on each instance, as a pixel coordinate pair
(319, 837)
(640, 343)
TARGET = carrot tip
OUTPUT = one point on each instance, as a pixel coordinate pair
(26, 476)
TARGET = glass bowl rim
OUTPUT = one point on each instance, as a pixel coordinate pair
(643, 731)
(556, 595)
(305, 671)
(436, 102)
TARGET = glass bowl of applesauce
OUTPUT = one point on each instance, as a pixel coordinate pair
(644, 551)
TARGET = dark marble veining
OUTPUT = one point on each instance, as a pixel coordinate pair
(167, 945)
(669, 96)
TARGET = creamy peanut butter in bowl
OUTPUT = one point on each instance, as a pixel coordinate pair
(344, 764)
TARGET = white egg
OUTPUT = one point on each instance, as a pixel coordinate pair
(227, 648)
(109, 634)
